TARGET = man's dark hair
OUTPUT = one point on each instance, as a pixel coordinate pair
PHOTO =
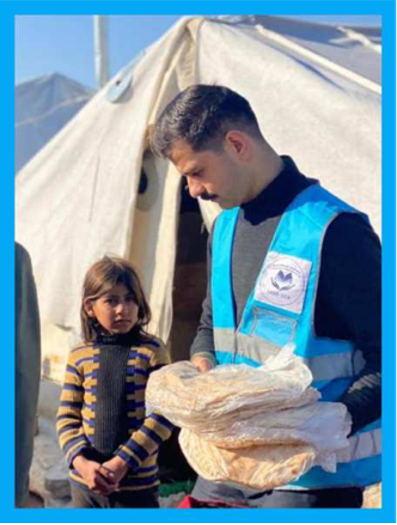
(201, 115)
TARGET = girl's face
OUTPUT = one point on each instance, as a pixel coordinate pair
(115, 310)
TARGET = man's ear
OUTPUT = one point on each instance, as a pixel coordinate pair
(237, 143)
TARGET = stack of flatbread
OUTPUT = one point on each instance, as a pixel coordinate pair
(257, 427)
(228, 393)
(261, 467)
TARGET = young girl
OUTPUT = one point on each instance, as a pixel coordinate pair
(111, 446)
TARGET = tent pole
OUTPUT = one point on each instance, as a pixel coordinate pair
(101, 49)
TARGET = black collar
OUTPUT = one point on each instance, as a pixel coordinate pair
(129, 339)
(276, 197)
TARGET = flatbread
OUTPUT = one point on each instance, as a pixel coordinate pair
(323, 425)
(199, 401)
(258, 467)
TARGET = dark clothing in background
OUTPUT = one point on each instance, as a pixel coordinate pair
(27, 370)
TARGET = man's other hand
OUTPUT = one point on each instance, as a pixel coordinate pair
(203, 364)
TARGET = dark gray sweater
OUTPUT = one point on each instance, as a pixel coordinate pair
(348, 303)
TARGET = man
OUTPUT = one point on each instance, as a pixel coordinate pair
(288, 262)
(27, 370)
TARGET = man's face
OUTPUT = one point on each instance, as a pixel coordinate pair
(210, 175)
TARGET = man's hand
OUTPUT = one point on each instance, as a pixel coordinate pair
(203, 364)
(117, 468)
(95, 475)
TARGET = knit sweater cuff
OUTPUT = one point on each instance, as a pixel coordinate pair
(76, 452)
(132, 453)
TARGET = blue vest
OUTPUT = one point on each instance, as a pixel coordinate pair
(280, 310)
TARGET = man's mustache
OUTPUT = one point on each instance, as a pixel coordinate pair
(207, 196)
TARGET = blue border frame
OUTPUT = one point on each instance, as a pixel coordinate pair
(387, 9)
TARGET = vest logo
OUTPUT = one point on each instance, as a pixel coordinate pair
(283, 281)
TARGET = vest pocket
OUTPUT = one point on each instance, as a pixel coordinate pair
(275, 328)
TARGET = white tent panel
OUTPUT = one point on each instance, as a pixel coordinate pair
(328, 123)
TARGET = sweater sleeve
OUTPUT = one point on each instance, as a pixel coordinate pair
(155, 428)
(69, 425)
(203, 344)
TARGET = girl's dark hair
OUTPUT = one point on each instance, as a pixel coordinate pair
(100, 278)
(201, 115)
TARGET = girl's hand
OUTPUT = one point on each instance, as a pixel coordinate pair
(116, 468)
(95, 475)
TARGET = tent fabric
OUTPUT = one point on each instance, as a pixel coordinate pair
(78, 198)
(42, 107)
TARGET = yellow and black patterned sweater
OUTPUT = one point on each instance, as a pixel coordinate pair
(102, 408)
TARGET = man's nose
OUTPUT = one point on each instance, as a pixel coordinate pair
(195, 188)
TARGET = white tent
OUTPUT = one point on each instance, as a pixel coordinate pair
(316, 91)
(42, 107)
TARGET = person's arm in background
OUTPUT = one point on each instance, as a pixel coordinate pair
(27, 370)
